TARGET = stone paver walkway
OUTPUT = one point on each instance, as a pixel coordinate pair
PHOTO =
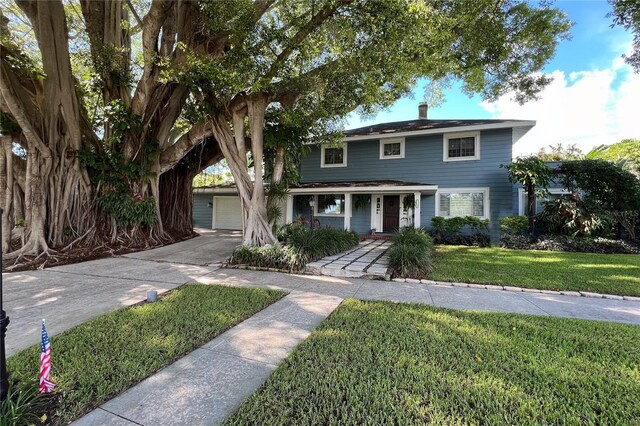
(369, 259)
(210, 383)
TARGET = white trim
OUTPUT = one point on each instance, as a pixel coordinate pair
(384, 142)
(429, 189)
(505, 125)
(485, 190)
(445, 146)
(344, 156)
(347, 212)
(521, 197)
(425, 189)
(416, 209)
(213, 212)
(289, 209)
(375, 217)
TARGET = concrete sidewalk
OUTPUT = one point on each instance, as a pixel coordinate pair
(444, 295)
(210, 383)
(72, 294)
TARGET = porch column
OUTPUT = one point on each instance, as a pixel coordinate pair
(288, 218)
(416, 210)
(347, 211)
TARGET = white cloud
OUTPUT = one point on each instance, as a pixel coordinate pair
(586, 108)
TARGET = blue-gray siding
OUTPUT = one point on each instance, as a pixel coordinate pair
(361, 218)
(202, 213)
(423, 164)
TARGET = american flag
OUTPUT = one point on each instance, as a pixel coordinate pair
(46, 385)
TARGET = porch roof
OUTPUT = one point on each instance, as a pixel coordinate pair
(372, 186)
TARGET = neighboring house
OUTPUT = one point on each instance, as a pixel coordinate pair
(390, 175)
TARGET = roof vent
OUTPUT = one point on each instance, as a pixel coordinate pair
(422, 110)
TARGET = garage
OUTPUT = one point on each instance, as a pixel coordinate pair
(227, 213)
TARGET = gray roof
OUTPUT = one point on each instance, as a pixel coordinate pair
(425, 124)
(356, 184)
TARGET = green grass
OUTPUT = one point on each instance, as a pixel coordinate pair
(546, 270)
(383, 363)
(97, 360)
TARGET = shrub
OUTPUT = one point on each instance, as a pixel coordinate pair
(514, 225)
(516, 241)
(298, 246)
(411, 254)
(24, 405)
(570, 244)
(276, 256)
(449, 231)
(572, 216)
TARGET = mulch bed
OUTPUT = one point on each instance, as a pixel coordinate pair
(78, 254)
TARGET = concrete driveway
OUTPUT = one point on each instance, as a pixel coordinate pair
(72, 294)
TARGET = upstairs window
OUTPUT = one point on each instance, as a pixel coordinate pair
(332, 156)
(461, 146)
(391, 148)
(462, 202)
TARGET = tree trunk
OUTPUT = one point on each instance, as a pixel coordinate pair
(257, 230)
(531, 208)
(176, 188)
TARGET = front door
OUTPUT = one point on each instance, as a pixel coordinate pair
(391, 213)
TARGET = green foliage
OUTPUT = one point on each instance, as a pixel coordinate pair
(514, 225)
(625, 153)
(7, 125)
(571, 215)
(116, 177)
(276, 256)
(531, 172)
(127, 211)
(450, 231)
(544, 270)
(204, 179)
(626, 14)
(101, 358)
(24, 405)
(560, 153)
(361, 202)
(298, 246)
(384, 363)
(410, 255)
(606, 184)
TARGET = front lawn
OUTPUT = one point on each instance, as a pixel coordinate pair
(99, 359)
(384, 363)
(546, 270)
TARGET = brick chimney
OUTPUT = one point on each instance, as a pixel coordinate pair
(422, 110)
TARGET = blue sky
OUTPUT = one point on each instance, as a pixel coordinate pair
(592, 101)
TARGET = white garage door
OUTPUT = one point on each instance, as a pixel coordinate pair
(227, 213)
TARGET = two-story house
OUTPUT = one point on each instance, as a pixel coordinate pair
(390, 175)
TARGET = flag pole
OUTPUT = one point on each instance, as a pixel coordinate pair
(4, 322)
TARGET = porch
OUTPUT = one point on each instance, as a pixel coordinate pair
(374, 209)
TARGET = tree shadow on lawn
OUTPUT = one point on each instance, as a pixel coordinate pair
(539, 269)
(388, 362)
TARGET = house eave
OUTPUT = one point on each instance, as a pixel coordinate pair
(387, 189)
(527, 124)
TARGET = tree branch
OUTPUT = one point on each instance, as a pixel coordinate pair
(316, 21)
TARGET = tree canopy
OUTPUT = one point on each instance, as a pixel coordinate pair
(119, 104)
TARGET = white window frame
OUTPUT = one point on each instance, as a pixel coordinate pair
(522, 197)
(445, 146)
(344, 156)
(485, 191)
(316, 205)
(384, 142)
